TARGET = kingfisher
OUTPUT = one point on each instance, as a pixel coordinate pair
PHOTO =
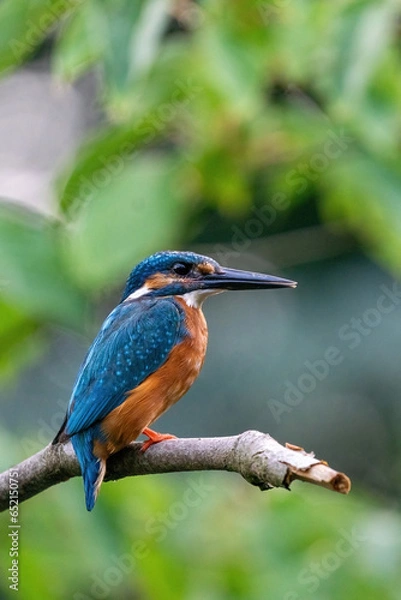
(147, 354)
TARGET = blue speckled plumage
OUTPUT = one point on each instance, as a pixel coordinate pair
(135, 339)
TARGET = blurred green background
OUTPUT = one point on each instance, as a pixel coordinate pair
(267, 135)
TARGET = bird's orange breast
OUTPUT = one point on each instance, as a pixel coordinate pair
(145, 403)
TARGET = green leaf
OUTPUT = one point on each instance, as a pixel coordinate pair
(137, 210)
(361, 42)
(24, 24)
(115, 146)
(17, 342)
(32, 275)
(107, 151)
(133, 32)
(366, 195)
(81, 42)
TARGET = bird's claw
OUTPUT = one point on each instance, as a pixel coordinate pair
(155, 438)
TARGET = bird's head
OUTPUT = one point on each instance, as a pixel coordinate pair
(193, 276)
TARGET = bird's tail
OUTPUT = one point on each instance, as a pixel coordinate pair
(92, 468)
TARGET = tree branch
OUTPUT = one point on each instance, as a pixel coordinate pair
(261, 460)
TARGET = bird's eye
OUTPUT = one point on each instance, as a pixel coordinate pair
(181, 268)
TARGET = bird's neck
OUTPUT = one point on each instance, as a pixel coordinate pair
(195, 322)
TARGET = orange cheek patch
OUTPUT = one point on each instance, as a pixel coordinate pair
(206, 268)
(158, 281)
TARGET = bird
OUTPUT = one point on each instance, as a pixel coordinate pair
(147, 354)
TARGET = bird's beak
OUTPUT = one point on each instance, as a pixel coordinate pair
(234, 279)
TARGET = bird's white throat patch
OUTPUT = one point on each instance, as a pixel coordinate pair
(196, 297)
(142, 291)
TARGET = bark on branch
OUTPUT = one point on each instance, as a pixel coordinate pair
(260, 459)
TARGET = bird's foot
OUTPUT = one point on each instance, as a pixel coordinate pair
(155, 438)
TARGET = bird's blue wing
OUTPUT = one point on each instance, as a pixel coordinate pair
(134, 341)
